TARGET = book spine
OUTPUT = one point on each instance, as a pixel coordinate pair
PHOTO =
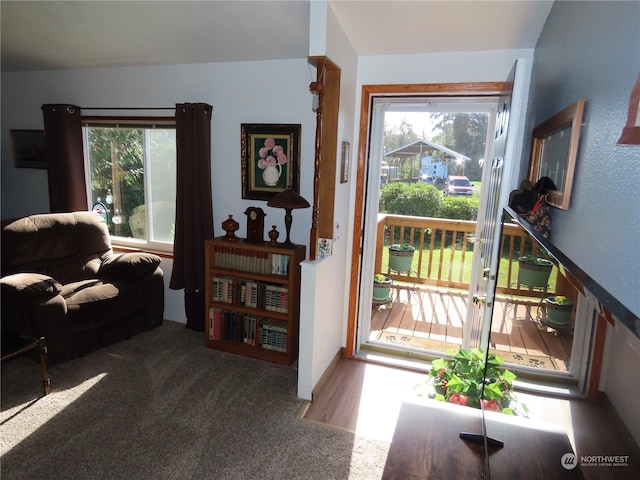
(210, 324)
(217, 324)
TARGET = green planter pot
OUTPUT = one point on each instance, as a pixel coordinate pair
(534, 273)
(558, 315)
(400, 258)
(381, 290)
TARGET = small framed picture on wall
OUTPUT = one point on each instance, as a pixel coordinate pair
(344, 162)
(28, 148)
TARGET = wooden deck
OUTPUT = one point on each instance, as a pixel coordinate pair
(431, 319)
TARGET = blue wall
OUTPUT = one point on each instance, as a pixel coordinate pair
(591, 50)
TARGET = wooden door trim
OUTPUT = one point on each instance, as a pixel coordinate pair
(327, 88)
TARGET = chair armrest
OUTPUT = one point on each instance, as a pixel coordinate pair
(30, 285)
(128, 266)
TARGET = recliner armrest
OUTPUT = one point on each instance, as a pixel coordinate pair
(30, 285)
(128, 266)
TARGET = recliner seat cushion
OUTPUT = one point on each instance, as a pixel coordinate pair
(93, 303)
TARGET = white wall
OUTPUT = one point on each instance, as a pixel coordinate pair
(325, 282)
(240, 92)
(620, 379)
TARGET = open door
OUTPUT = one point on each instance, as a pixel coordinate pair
(486, 252)
(368, 181)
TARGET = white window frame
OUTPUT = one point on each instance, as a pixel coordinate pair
(145, 123)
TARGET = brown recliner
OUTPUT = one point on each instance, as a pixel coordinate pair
(61, 280)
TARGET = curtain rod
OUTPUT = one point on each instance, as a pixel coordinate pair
(127, 108)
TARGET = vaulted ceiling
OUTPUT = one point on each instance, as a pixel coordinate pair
(83, 34)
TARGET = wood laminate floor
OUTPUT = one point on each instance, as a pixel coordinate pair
(366, 398)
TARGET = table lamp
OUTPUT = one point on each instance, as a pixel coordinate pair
(288, 199)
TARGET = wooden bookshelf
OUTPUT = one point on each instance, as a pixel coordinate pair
(252, 298)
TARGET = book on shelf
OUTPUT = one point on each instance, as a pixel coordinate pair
(272, 334)
(249, 327)
(215, 323)
(228, 325)
(268, 333)
(279, 264)
(244, 259)
(276, 298)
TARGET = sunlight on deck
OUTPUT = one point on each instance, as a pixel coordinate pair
(431, 320)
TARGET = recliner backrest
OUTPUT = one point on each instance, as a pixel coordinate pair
(66, 246)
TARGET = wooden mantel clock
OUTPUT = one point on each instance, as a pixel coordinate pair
(255, 224)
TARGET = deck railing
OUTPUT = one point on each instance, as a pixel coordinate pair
(444, 252)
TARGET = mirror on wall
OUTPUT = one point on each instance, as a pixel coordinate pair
(554, 149)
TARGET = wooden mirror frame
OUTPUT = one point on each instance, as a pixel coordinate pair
(554, 149)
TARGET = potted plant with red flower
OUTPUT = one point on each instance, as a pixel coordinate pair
(459, 379)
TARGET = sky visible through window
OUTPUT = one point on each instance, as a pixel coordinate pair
(421, 122)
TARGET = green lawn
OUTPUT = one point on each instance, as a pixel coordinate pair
(457, 261)
(476, 188)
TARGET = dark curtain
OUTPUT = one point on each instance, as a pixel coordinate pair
(194, 213)
(65, 161)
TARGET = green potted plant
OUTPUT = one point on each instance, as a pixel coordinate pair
(381, 288)
(559, 310)
(459, 380)
(400, 257)
(534, 271)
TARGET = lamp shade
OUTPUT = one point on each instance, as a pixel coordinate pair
(288, 199)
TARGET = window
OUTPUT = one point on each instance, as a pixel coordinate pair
(131, 178)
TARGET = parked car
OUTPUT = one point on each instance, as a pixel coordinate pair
(430, 179)
(458, 185)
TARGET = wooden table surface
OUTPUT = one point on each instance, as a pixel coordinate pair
(426, 445)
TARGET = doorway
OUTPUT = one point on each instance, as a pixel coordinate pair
(445, 300)
(428, 154)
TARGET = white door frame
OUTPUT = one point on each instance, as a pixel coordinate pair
(379, 105)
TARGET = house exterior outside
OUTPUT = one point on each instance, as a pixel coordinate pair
(432, 168)
(586, 50)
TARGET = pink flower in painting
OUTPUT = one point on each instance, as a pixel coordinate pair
(271, 154)
(278, 151)
(271, 161)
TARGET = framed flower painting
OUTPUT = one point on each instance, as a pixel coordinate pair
(270, 159)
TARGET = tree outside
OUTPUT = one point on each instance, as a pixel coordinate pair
(464, 133)
(117, 177)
